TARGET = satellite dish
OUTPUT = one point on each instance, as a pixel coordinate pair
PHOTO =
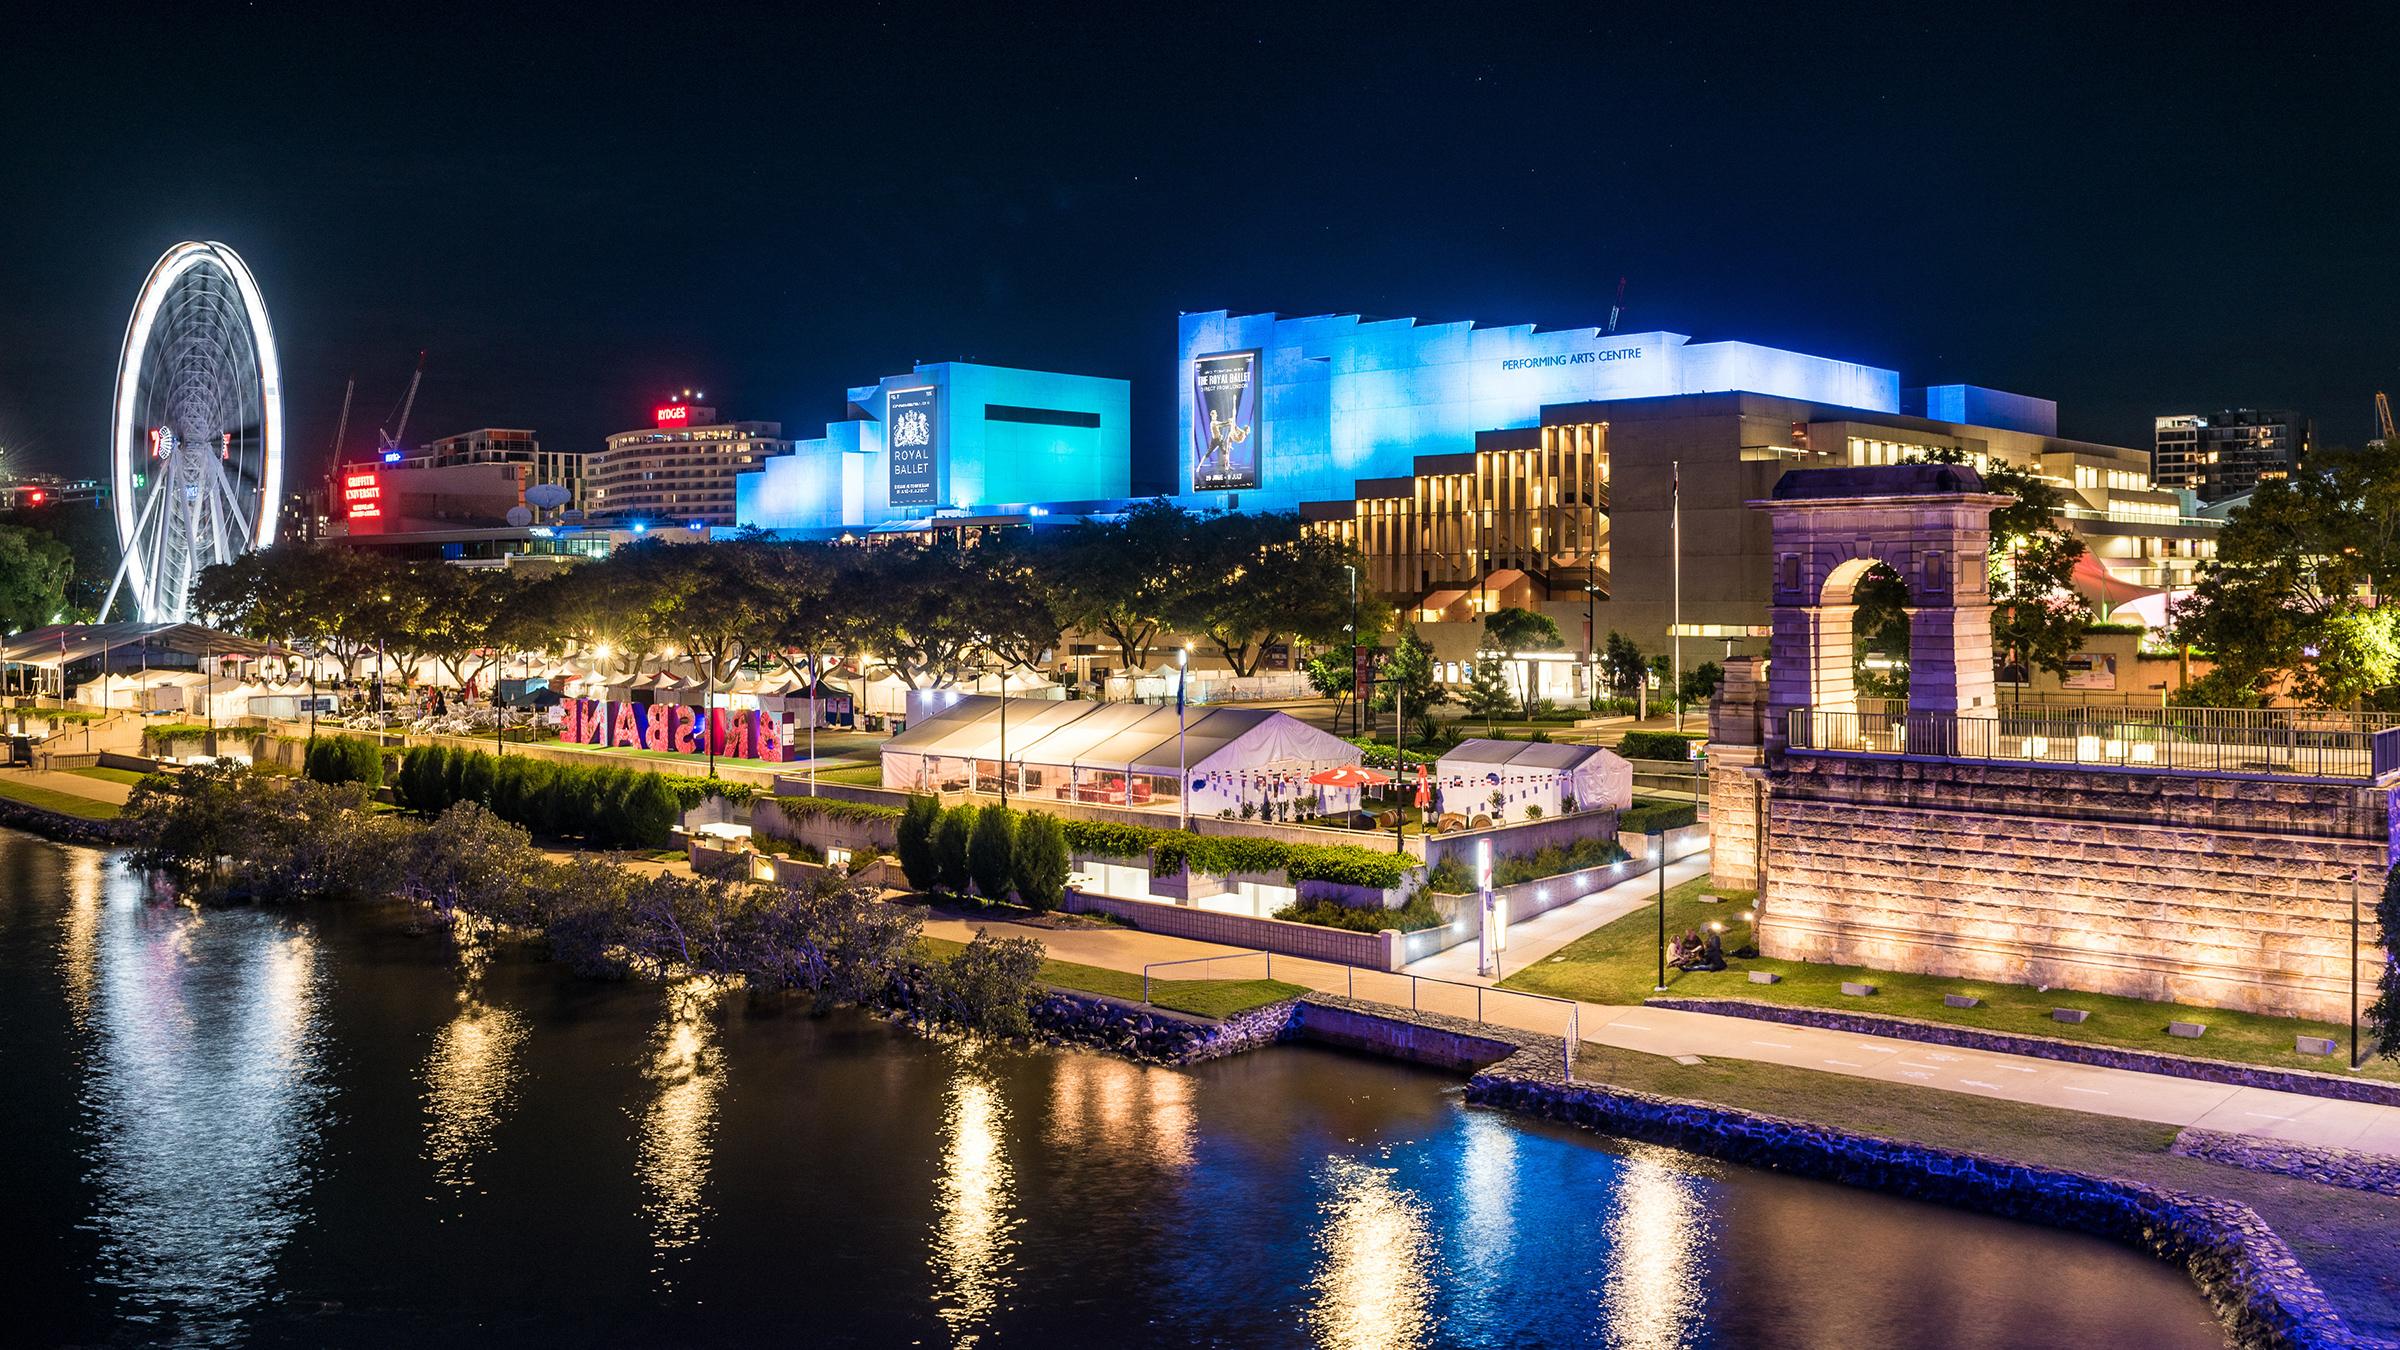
(548, 495)
(519, 516)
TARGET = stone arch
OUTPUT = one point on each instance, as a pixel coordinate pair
(1931, 524)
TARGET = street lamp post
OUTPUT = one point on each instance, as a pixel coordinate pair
(1183, 771)
(708, 712)
(1659, 842)
(1352, 569)
(1591, 638)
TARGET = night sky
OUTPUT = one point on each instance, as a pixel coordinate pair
(2130, 209)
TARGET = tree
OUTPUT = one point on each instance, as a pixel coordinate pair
(1622, 665)
(1487, 693)
(1260, 580)
(837, 942)
(991, 852)
(953, 838)
(1123, 577)
(2383, 1016)
(1513, 631)
(2038, 618)
(1406, 682)
(459, 616)
(650, 810)
(989, 988)
(913, 841)
(34, 572)
(1040, 865)
(1700, 684)
(2295, 573)
(921, 610)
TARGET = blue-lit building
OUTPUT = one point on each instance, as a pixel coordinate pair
(1274, 412)
(945, 440)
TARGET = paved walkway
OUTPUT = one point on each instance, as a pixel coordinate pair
(1452, 987)
(72, 784)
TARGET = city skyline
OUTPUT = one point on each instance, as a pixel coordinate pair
(572, 228)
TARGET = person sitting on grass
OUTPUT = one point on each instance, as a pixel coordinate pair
(1685, 951)
(1712, 953)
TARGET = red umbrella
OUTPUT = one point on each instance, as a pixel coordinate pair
(1349, 776)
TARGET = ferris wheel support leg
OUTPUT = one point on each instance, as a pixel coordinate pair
(149, 510)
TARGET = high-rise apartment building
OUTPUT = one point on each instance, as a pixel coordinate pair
(2225, 454)
(680, 470)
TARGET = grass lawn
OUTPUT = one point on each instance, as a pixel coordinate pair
(849, 775)
(1201, 998)
(128, 777)
(2342, 1237)
(64, 803)
(1618, 963)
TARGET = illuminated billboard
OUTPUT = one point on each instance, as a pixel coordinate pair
(362, 496)
(913, 437)
(1225, 421)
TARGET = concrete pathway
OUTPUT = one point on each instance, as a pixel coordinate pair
(72, 784)
(1452, 987)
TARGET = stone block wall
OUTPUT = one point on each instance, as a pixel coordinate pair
(1736, 791)
(2222, 892)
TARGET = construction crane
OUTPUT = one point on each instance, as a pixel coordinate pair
(342, 428)
(2383, 415)
(391, 438)
(1617, 308)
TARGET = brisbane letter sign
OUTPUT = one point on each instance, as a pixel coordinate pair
(672, 728)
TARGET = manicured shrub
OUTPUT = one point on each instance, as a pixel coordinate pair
(991, 853)
(1657, 817)
(1039, 867)
(1417, 913)
(953, 839)
(650, 812)
(913, 842)
(1665, 745)
(475, 770)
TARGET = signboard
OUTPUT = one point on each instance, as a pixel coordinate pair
(672, 728)
(913, 436)
(362, 497)
(1225, 421)
(674, 415)
(2090, 670)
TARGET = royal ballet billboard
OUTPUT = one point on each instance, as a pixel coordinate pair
(1225, 421)
(672, 728)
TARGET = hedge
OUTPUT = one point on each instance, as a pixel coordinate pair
(1668, 745)
(1416, 914)
(1171, 850)
(609, 806)
(1657, 817)
(158, 738)
(832, 808)
(345, 759)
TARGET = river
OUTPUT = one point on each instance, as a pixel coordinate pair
(323, 1127)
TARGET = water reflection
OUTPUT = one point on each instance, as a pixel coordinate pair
(974, 1227)
(1488, 1201)
(205, 1096)
(1375, 1275)
(1126, 1110)
(79, 941)
(1657, 1238)
(470, 1076)
(678, 1135)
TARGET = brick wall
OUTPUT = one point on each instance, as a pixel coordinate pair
(2214, 891)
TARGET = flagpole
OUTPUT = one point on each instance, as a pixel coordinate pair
(1183, 770)
(1676, 519)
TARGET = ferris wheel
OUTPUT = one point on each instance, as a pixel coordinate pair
(197, 444)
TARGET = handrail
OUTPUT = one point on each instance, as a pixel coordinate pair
(1201, 960)
(1574, 1009)
(2276, 743)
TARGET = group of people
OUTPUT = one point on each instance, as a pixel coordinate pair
(1693, 952)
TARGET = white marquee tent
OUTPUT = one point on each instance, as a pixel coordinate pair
(1530, 773)
(1123, 754)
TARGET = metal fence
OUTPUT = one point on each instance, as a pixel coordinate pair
(1250, 965)
(1485, 1005)
(2276, 742)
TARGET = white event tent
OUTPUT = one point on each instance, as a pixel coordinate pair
(1530, 774)
(1121, 754)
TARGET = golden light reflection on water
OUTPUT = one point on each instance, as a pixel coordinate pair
(974, 1229)
(79, 944)
(678, 1134)
(1126, 1110)
(1374, 1281)
(1657, 1237)
(469, 1078)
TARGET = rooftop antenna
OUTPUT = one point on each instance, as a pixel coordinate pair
(1617, 308)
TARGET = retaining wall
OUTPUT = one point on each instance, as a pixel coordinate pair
(1339, 946)
(2187, 888)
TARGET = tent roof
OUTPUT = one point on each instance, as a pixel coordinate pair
(1126, 736)
(1484, 754)
(41, 646)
